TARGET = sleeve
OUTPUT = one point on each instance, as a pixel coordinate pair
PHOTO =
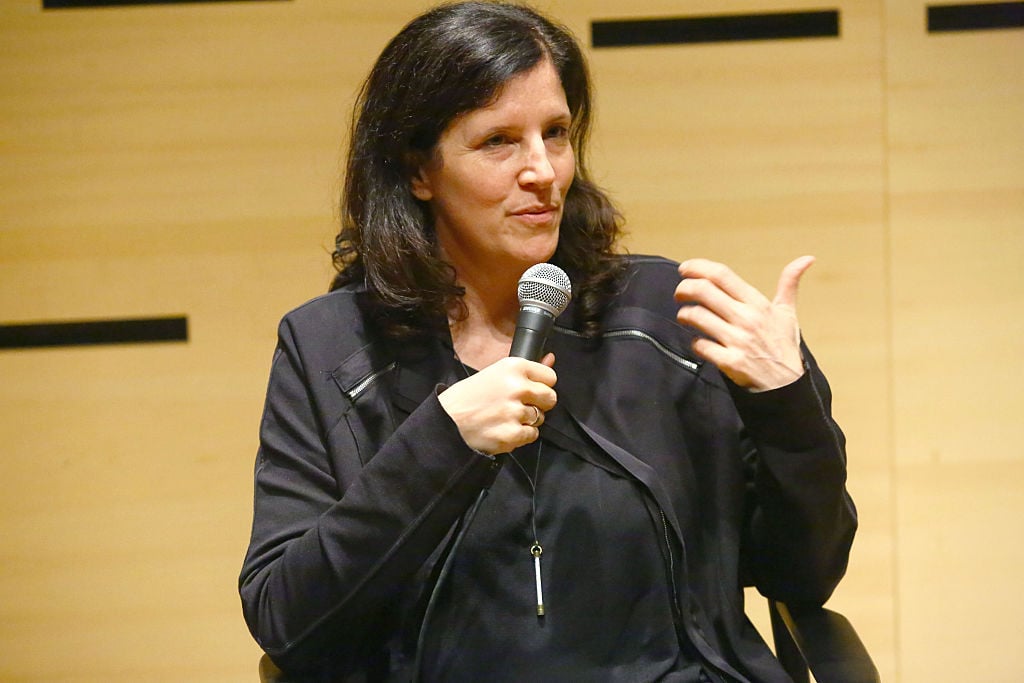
(800, 517)
(328, 557)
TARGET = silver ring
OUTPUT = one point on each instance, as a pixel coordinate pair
(537, 418)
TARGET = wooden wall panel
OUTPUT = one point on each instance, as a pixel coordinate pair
(156, 160)
(184, 160)
(755, 153)
(956, 101)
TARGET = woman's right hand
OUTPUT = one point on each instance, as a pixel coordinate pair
(502, 406)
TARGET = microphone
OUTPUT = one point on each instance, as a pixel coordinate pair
(544, 292)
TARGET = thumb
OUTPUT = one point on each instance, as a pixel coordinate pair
(789, 280)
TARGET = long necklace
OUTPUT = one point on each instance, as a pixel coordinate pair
(536, 549)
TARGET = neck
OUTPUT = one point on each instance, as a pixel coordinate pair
(485, 334)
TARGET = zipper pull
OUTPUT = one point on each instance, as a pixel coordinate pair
(537, 551)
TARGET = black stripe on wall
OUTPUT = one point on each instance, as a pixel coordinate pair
(94, 332)
(76, 4)
(715, 28)
(977, 17)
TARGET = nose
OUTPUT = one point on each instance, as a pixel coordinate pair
(537, 167)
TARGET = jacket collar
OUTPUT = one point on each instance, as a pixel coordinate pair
(417, 375)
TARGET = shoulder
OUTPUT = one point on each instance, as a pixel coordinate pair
(642, 311)
(325, 313)
(331, 337)
(645, 268)
(648, 282)
(323, 307)
(327, 329)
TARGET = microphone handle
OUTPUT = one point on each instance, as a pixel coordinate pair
(532, 329)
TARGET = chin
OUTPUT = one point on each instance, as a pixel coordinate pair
(538, 257)
(536, 248)
(545, 249)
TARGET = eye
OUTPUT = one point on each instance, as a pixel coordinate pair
(496, 140)
(557, 132)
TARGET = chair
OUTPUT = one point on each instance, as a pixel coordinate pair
(269, 673)
(808, 638)
(813, 638)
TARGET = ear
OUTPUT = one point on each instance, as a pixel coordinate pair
(417, 163)
(420, 185)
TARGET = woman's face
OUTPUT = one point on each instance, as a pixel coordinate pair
(497, 180)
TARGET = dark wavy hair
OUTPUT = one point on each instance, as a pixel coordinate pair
(451, 60)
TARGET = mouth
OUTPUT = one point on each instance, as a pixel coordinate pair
(538, 215)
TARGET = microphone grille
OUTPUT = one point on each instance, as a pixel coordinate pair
(545, 286)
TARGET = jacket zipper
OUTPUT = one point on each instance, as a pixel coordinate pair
(670, 557)
(712, 670)
(638, 334)
(367, 381)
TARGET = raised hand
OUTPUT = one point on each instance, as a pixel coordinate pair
(502, 407)
(754, 341)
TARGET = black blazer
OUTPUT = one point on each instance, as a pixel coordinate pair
(361, 476)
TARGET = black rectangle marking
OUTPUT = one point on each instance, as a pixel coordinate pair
(94, 332)
(80, 4)
(715, 28)
(975, 17)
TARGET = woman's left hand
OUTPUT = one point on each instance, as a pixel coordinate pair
(754, 341)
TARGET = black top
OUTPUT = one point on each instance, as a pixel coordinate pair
(607, 596)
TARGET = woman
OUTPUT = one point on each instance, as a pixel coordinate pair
(428, 508)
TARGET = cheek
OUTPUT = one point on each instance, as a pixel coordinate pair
(485, 184)
(566, 170)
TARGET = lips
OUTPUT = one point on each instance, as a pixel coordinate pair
(540, 208)
(537, 214)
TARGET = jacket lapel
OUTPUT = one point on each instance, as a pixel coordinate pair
(573, 435)
(418, 376)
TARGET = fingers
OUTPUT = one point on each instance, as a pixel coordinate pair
(547, 399)
(709, 296)
(717, 288)
(789, 280)
(502, 407)
(721, 276)
(534, 418)
(542, 372)
(723, 300)
(717, 302)
(753, 340)
(707, 321)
